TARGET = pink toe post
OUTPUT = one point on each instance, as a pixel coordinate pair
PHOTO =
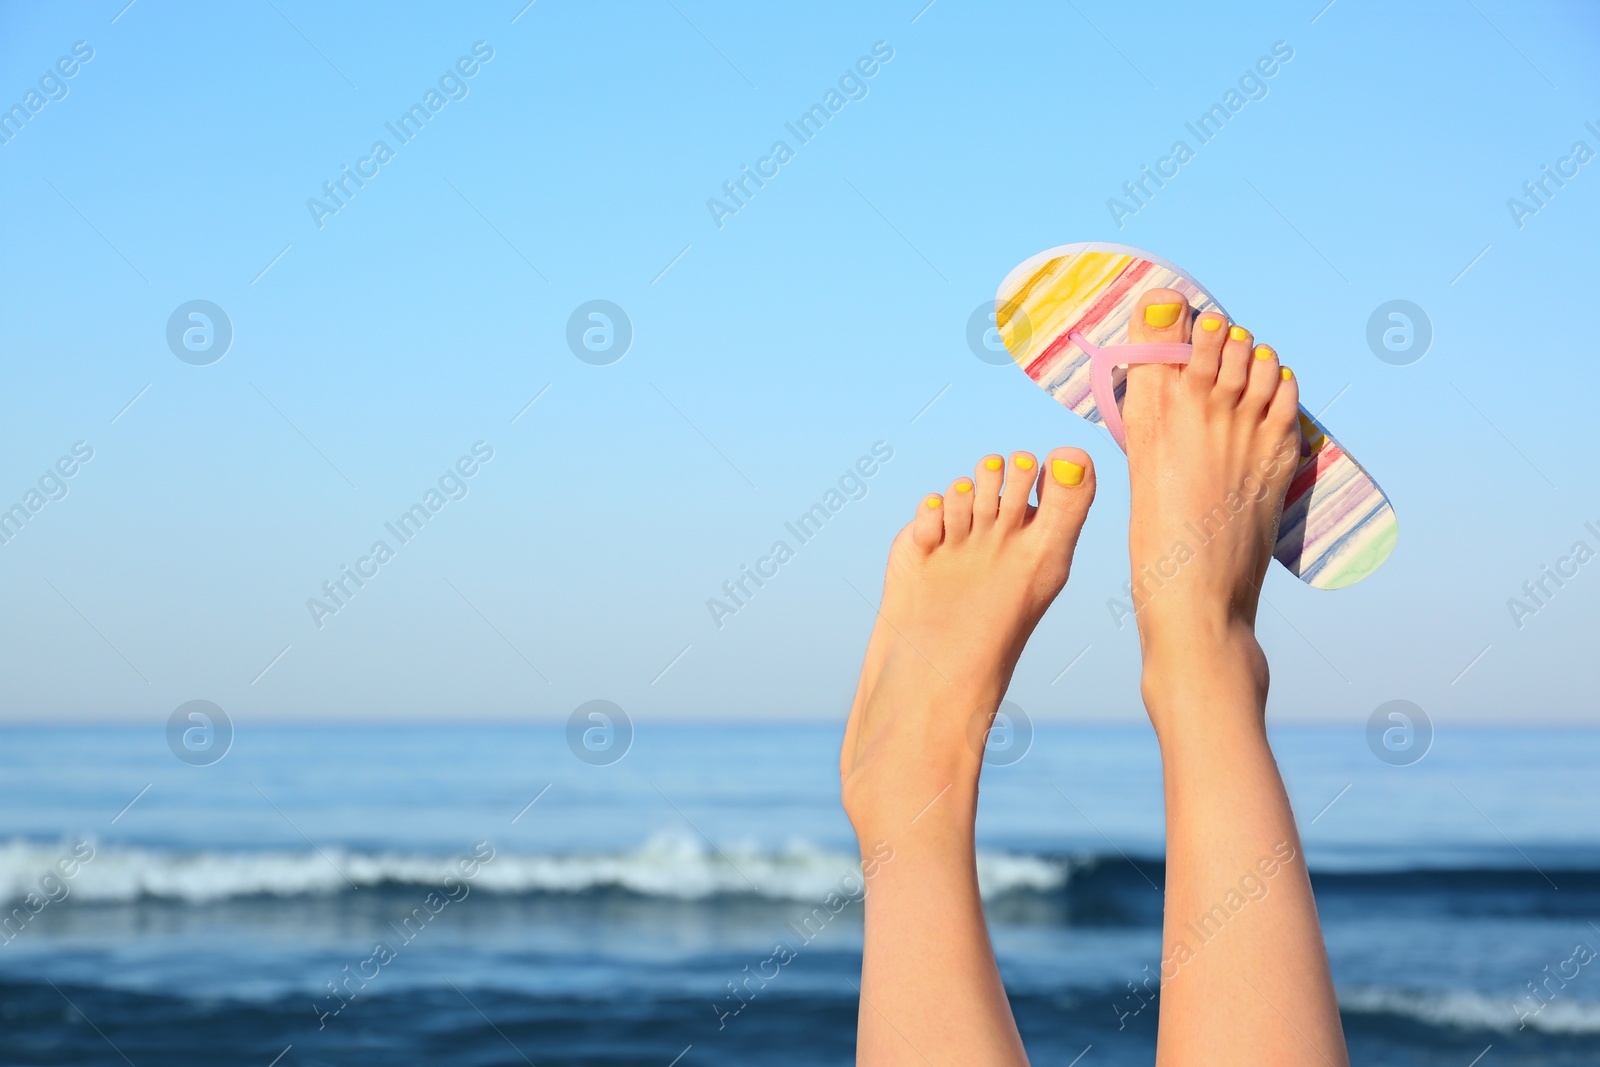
(1103, 360)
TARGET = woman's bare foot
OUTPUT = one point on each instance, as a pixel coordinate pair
(1212, 446)
(968, 579)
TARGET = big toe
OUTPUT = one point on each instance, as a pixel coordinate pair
(1065, 493)
(1161, 315)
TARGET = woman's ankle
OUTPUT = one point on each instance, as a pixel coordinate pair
(1205, 678)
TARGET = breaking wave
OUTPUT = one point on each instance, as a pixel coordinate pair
(665, 867)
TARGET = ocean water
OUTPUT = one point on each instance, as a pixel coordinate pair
(536, 909)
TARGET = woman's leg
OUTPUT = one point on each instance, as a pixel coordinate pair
(1212, 447)
(968, 580)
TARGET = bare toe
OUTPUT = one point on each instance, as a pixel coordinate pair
(1065, 493)
(1285, 403)
(988, 477)
(1261, 380)
(1161, 315)
(1024, 471)
(1210, 331)
(958, 511)
(927, 529)
(1235, 368)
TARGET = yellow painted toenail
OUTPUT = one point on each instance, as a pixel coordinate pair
(1025, 462)
(1285, 373)
(934, 500)
(1264, 352)
(963, 487)
(1161, 315)
(994, 463)
(1210, 324)
(1067, 472)
(1238, 333)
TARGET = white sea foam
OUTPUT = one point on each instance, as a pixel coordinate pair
(666, 866)
(1475, 1011)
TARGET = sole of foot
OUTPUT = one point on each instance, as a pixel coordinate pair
(968, 580)
(1212, 447)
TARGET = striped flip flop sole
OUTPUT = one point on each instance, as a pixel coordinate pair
(1337, 525)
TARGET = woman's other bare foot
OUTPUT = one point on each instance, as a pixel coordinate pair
(968, 580)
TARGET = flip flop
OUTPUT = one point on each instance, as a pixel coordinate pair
(1063, 315)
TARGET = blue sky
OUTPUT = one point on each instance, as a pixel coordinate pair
(371, 353)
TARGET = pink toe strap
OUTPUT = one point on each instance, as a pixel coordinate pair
(1101, 362)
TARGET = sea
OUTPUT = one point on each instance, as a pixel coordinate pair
(492, 894)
